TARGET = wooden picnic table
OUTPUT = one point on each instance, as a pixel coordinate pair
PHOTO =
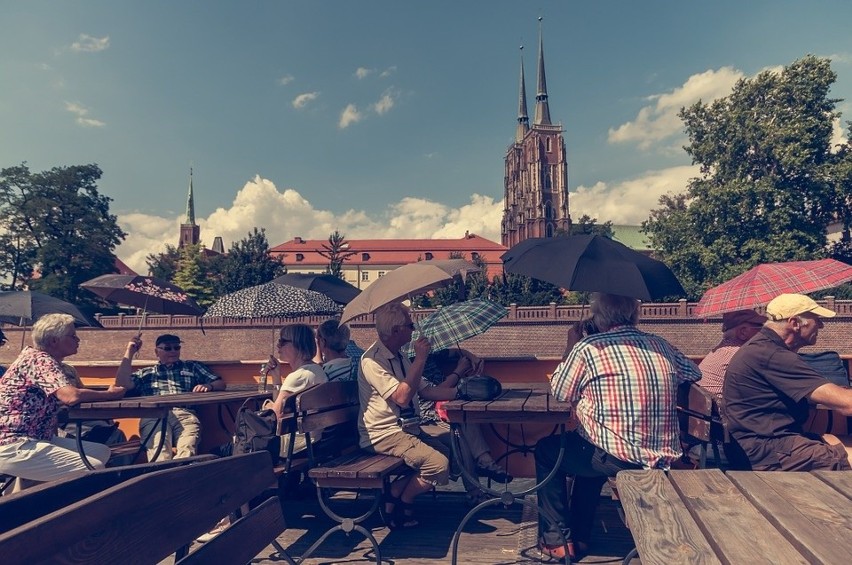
(706, 516)
(155, 407)
(518, 404)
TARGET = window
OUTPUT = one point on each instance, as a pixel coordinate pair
(365, 257)
(381, 274)
(429, 256)
(365, 276)
(474, 255)
(300, 257)
(548, 144)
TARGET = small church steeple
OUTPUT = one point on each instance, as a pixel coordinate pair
(190, 232)
(542, 109)
(523, 117)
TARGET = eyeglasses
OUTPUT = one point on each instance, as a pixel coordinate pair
(169, 347)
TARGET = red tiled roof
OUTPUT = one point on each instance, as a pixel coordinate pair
(393, 252)
(123, 269)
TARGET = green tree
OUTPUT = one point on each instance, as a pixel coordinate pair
(249, 263)
(523, 291)
(768, 186)
(56, 228)
(588, 225)
(164, 265)
(337, 252)
(193, 275)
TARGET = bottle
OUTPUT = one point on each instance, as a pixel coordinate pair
(264, 376)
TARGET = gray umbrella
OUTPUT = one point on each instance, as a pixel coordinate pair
(23, 307)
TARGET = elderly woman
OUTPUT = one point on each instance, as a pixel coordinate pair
(31, 392)
(332, 343)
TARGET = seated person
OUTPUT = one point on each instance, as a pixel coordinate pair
(388, 420)
(622, 383)
(31, 391)
(171, 375)
(768, 389)
(476, 454)
(332, 344)
(737, 328)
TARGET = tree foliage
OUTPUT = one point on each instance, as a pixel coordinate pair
(164, 265)
(337, 252)
(248, 263)
(57, 231)
(768, 184)
(193, 275)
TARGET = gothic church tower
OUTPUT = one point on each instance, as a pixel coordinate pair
(190, 232)
(535, 201)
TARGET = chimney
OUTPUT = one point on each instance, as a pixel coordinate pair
(297, 239)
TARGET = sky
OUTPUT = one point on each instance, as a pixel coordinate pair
(377, 118)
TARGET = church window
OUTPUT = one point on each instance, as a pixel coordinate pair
(548, 144)
(549, 229)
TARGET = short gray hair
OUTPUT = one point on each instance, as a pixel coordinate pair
(51, 328)
(389, 317)
(334, 334)
(610, 310)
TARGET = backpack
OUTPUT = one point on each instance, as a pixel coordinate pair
(255, 430)
(479, 387)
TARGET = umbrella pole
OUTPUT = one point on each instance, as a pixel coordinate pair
(142, 319)
(23, 334)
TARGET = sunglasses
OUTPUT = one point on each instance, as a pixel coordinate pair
(169, 347)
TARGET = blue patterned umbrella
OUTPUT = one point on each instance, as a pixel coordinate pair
(452, 324)
(272, 300)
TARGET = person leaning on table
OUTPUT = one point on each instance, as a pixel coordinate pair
(31, 391)
(768, 388)
(170, 376)
(622, 383)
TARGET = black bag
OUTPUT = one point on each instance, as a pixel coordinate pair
(479, 387)
(829, 365)
(255, 430)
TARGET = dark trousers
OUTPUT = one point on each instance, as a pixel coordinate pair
(587, 467)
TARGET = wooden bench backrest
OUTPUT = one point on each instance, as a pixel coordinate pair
(40, 500)
(326, 405)
(698, 412)
(144, 519)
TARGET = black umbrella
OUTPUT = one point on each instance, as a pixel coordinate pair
(334, 287)
(23, 307)
(272, 300)
(149, 293)
(592, 263)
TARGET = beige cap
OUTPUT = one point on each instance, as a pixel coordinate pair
(730, 320)
(786, 306)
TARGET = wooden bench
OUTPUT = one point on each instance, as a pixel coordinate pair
(336, 463)
(700, 421)
(146, 518)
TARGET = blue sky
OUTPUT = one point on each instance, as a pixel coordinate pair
(379, 118)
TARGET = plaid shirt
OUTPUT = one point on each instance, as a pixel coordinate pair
(623, 384)
(182, 376)
(714, 365)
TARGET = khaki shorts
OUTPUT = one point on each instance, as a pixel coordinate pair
(800, 453)
(423, 452)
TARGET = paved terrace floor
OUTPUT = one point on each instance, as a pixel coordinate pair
(496, 536)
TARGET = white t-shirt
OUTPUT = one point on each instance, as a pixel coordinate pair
(303, 377)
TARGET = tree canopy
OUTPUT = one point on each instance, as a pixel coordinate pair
(337, 252)
(768, 185)
(248, 263)
(56, 230)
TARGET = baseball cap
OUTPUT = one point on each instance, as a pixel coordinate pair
(731, 320)
(167, 338)
(786, 306)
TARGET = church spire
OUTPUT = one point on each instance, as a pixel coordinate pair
(190, 203)
(542, 110)
(523, 118)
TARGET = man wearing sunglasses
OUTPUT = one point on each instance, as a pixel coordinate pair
(170, 375)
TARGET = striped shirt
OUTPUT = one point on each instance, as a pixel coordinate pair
(623, 384)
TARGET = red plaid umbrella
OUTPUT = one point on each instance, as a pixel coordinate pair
(760, 284)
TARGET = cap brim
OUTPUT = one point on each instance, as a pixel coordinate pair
(824, 312)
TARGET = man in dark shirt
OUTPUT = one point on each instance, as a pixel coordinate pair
(768, 387)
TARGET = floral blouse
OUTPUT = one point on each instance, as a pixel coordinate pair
(28, 403)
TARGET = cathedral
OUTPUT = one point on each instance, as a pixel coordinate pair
(535, 201)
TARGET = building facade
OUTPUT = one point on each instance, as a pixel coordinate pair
(372, 258)
(535, 200)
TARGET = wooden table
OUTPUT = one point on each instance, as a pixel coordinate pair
(155, 407)
(519, 404)
(706, 516)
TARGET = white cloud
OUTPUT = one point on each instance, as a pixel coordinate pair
(838, 136)
(362, 72)
(630, 201)
(659, 121)
(81, 112)
(286, 79)
(303, 99)
(388, 71)
(259, 203)
(88, 44)
(349, 116)
(385, 103)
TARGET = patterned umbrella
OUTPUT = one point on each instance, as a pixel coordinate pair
(272, 300)
(760, 284)
(452, 324)
(149, 293)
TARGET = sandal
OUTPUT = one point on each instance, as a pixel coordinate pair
(403, 516)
